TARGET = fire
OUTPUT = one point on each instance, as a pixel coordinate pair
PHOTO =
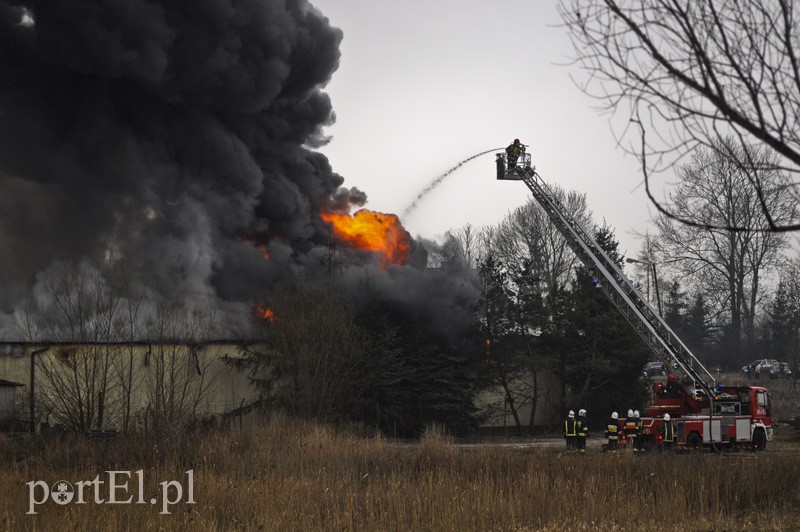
(373, 231)
(265, 313)
(261, 247)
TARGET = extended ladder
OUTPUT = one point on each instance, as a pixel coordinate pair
(613, 281)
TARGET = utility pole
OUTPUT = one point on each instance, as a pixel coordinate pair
(32, 397)
(655, 284)
(650, 268)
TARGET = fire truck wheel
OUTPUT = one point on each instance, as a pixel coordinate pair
(693, 441)
(759, 440)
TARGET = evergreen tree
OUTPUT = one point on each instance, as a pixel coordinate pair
(604, 356)
(418, 378)
(675, 308)
(696, 332)
(499, 316)
(379, 366)
(783, 322)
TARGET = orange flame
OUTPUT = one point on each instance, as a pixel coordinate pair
(261, 247)
(265, 313)
(373, 231)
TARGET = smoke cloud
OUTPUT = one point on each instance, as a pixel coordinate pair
(176, 134)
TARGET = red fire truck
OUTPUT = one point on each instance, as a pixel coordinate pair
(735, 416)
(705, 414)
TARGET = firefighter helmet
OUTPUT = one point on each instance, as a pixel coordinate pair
(630, 413)
(666, 417)
(614, 415)
(571, 413)
(581, 412)
(635, 413)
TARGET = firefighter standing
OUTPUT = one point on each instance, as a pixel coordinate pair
(513, 152)
(612, 432)
(570, 431)
(631, 427)
(673, 389)
(667, 434)
(583, 430)
(637, 443)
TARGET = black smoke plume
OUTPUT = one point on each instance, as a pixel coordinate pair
(176, 134)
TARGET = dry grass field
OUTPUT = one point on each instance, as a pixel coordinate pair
(285, 475)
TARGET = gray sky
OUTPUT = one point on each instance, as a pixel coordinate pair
(423, 85)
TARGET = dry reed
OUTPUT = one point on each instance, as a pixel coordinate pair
(289, 475)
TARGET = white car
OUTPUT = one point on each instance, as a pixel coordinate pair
(767, 367)
(654, 369)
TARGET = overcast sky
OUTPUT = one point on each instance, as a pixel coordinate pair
(423, 85)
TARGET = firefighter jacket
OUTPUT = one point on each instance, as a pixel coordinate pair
(667, 431)
(631, 427)
(515, 149)
(612, 429)
(639, 425)
(570, 427)
(583, 427)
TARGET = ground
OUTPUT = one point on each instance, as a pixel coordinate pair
(280, 474)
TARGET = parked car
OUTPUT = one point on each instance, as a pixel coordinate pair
(782, 371)
(767, 367)
(654, 369)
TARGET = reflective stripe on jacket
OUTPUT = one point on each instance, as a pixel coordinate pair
(612, 430)
(668, 431)
(570, 427)
(583, 428)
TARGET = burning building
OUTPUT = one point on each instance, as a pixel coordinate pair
(161, 154)
(177, 140)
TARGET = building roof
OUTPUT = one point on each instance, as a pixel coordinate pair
(9, 383)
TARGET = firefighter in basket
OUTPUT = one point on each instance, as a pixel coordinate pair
(513, 152)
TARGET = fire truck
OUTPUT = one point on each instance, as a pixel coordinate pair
(705, 414)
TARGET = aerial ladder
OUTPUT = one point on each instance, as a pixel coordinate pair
(659, 337)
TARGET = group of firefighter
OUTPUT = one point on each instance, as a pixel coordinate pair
(629, 434)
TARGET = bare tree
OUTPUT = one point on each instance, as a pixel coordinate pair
(469, 242)
(533, 262)
(179, 378)
(129, 329)
(714, 192)
(527, 236)
(74, 307)
(689, 73)
(315, 362)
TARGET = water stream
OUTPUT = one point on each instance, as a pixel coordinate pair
(438, 181)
